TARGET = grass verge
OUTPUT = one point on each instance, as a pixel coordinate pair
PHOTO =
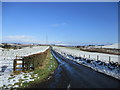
(48, 67)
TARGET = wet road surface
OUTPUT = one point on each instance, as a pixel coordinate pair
(72, 75)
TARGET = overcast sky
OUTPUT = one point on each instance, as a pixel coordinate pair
(67, 23)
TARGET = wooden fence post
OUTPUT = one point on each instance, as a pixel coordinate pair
(14, 65)
(89, 56)
(22, 64)
(16, 56)
(109, 58)
(79, 56)
(97, 57)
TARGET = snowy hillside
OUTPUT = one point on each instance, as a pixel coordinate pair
(7, 57)
(115, 46)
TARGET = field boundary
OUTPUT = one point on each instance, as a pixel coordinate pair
(29, 63)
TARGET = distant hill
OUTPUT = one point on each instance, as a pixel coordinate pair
(115, 46)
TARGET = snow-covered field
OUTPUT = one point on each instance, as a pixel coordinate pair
(6, 61)
(113, 46)
(89, 59)
(90, 55)
(14, 81)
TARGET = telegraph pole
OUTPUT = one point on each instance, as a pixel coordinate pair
(46, 39)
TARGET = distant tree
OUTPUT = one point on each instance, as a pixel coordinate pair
(6, 46)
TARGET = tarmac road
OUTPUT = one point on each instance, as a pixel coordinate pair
(72, 75)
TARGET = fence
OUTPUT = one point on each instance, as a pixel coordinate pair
(30, 63)
(93, 56)
(97, 57)
(18, 62)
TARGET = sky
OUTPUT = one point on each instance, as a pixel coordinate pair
(72, 23)
(0, 22)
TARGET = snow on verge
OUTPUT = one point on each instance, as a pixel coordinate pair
(109, 68)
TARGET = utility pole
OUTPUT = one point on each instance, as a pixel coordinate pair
(46, 39)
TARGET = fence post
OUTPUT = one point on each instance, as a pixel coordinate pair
(97, 57)
(22, 64)
(89, 56)
(109, 58)
(16, 56)
(14, 65)
(79, 56)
